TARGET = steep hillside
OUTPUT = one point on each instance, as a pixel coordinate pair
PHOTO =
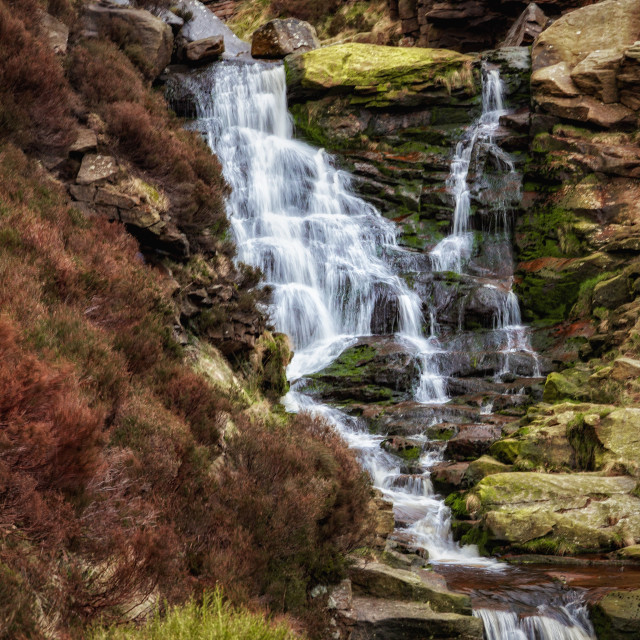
(140, 461)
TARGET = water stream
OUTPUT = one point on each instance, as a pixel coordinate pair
(326, 254)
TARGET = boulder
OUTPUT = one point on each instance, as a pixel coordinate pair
(144, 30)
(57, 33)
(483, 467)
(202, 51)
(375, 369)
(472, 441)
(580, 511)
(379, 580)
(279, 38)
(607, 25)
(205, 24)
(97, 168)
(630, 553)
(527, 27)
(397, 620)
(617, 615)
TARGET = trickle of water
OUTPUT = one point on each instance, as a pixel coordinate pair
(294, 215)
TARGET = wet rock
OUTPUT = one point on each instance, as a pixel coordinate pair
(202, 51)
(205, 24)
(448, 476)
(279, 38)
(376, 369)
(96, 169)
(527, 27)
(382, 581)
(617, 615)
(396, 620)
(403, 447)
(151, 34)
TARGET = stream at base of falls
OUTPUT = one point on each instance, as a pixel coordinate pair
(329, 259)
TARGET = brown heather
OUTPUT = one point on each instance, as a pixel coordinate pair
(123, 473)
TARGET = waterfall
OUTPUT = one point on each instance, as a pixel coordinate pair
(324, 253)
(321, 248)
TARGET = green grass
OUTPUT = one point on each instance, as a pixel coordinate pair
(213, 619)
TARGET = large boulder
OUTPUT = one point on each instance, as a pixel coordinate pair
(558, 513)
(279, 38)
(143, 29)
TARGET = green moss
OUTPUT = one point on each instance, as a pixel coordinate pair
(506, 450)
(549, 545)
(478, 536)
(350, 362)
(458, 505)
(378, 76)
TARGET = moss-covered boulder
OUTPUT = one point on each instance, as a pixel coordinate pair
(382, 581)
(558, 513)
(378, 76)
(617, 616)
(376, 369)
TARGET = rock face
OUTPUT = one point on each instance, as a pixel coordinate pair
(393, 114)
(527, 27)
(57, 33)
(473, 25)
(279, 38)
(144, 30)
(578, 243)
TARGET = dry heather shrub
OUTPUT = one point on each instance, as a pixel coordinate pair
(286, 504)
(35, 101)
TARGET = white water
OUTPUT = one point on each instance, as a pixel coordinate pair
(454, 251)
(567, 620)
(322, 250)
(320, 247)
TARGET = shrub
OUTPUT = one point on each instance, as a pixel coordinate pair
(35, 101)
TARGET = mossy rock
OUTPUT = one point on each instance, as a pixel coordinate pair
(577, 512)
(617, 616)
(378, 76)
(568, 385)
(483, 467)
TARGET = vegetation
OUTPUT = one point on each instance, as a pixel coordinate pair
(212, 619)
(128, 478)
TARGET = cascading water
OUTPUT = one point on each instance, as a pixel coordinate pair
(320, 247)
(323, 250)
(454, 251)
